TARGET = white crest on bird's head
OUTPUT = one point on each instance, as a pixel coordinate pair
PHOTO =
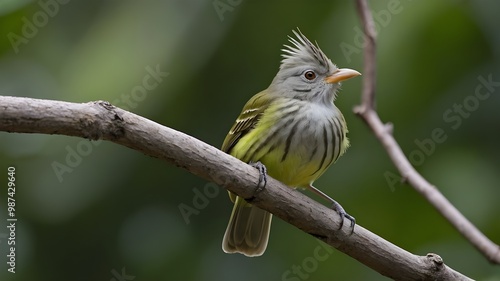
(303, 73)
(304, 52)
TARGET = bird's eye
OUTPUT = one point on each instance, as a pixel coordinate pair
(310, 75)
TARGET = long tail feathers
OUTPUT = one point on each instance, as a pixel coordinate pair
(248, 230)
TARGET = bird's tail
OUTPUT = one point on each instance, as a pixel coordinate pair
(248, 230)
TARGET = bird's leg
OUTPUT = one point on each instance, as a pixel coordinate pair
(336, 206)
(262, 175)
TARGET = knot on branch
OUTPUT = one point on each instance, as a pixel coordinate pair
(359, 109)
(435, 260)
(109, 107)
(389, 128)
(107, 122)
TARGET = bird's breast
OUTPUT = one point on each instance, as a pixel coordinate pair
(297, 141)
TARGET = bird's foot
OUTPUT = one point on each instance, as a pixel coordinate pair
(343, 214)
(261, 184)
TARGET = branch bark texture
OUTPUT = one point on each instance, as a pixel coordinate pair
(101, 120)
(384, 133)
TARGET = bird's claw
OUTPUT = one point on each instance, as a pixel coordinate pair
(343, 214)
(261, 184)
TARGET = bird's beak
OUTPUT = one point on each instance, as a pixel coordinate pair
(341, 74)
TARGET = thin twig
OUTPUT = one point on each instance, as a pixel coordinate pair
(369, 71)
(367, 112)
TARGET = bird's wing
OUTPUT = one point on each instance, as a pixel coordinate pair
(248, 119)
(249, 116)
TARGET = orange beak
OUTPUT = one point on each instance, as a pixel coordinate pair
(341, 74)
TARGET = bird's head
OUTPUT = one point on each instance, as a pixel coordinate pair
(306, 73)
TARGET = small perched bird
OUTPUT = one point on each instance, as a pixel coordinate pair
(294, 130)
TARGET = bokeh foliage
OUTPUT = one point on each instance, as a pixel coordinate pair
(120, 209)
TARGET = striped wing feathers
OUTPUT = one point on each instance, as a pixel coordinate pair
(249, 116)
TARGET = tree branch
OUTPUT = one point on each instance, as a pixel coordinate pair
(100, 120)
(369, 71)
(384, 133)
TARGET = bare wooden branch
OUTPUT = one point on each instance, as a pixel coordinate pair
(368, 113)
(369, 71)
(100, 120)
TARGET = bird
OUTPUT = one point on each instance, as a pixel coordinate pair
(293, 132)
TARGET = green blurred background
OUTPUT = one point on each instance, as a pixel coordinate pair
(116, 211)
